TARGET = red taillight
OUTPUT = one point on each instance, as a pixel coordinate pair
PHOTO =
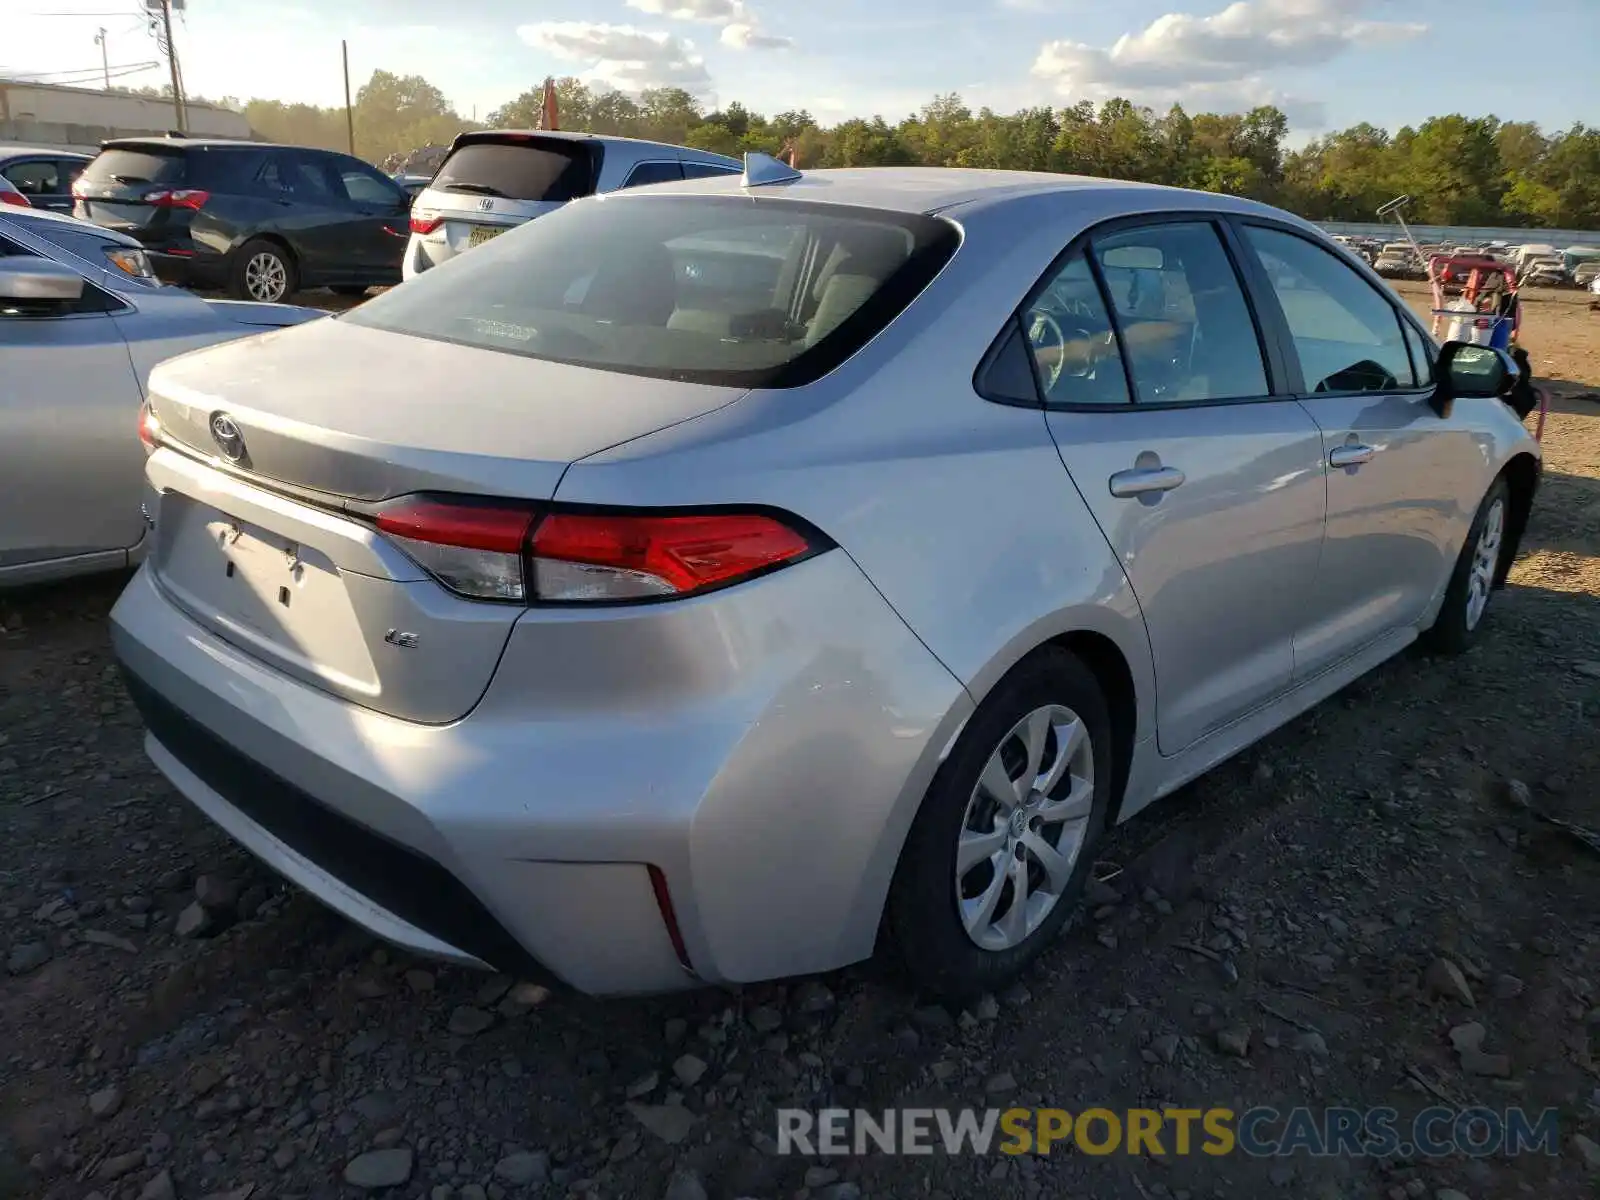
(193, 198)
(592, 556)
(498, 550)
(425, 222)
(9, 196)
(149, 427)
(474, 549)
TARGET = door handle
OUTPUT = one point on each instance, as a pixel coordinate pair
(1142, 481)
(1350, 455)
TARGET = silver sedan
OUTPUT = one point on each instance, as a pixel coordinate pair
(82, 321)
(731, 578)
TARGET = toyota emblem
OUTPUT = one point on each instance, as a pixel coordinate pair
(227, 436)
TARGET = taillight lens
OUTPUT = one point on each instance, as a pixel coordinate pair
(149, 427)
(590, 556)
(493, 550)
(194, 198)
(474, 549)
(11, 196)
(425, 222)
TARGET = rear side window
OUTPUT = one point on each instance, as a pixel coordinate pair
(114, 165)
(525, 170)
(1186, 329)
(701, 170)
(35, 177)
(1346, 334)
(1069, 334)
(702, 289)
(653, 172)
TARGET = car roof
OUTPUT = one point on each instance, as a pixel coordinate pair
(42, 221)
(189, 143)
(20, 149)
(935, 189)
(605, 139)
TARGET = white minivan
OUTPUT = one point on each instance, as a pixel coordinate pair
(496, 179)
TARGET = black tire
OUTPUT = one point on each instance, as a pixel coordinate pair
(925, 924)
(250, 262)
(1456, 627)
(349, 289)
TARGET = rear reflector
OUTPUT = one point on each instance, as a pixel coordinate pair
(149, 427)
(669, 917)
(425, 222)
(586, 556)
(502, 550)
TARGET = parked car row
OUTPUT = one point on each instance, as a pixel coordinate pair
(262, 221)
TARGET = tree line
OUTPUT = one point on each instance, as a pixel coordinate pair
(1458, 170)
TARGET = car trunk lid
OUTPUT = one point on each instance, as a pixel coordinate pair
(281, 448)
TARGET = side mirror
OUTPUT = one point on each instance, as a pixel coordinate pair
(38, 280)
(1466, 371)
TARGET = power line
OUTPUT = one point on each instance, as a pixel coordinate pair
(46, 76)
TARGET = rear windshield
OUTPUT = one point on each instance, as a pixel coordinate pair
(705, 289)
(136, 166)
(545, 170)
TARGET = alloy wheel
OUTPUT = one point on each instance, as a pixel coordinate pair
(1024, 827)
(1485, 561)
(265, 277)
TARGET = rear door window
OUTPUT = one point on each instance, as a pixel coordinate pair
(1186, 328)
(136, 167)
(700, 289)
(653, 172)
(1347, 335)
(530, 169)
(35, 177)
(702, 170)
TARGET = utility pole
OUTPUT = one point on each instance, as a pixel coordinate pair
(349, 113)
(105, 62)
(172, 62)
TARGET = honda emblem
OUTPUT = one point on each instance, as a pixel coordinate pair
(486, 204)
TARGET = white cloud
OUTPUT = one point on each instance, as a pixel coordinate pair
(744, 36)
(712, 12)
(623, 57)
(1225, 54)
(740, 28)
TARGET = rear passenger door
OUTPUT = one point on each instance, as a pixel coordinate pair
(1393, 467)
(1206, 483)
(313, 215)
(383, 209)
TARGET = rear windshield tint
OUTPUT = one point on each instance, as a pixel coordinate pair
(547, 170)
(136, 166)
(699, 288)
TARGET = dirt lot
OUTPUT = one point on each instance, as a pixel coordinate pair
(1320, 876)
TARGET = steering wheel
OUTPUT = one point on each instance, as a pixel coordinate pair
(1044, 327)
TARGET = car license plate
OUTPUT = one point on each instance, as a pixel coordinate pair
(482, 233)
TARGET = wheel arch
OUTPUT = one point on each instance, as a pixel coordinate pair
(276, 239)
(1521, 474)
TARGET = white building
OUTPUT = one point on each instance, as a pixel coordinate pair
(81, 118)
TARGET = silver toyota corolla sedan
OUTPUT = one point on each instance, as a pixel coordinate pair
(732, 578)
(82, 321)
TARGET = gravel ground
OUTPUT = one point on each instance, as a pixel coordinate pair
(177, 1023)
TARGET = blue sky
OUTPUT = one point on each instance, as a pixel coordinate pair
(1328, 63)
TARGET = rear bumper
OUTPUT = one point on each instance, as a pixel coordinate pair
(198, 270)
(771, 788)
